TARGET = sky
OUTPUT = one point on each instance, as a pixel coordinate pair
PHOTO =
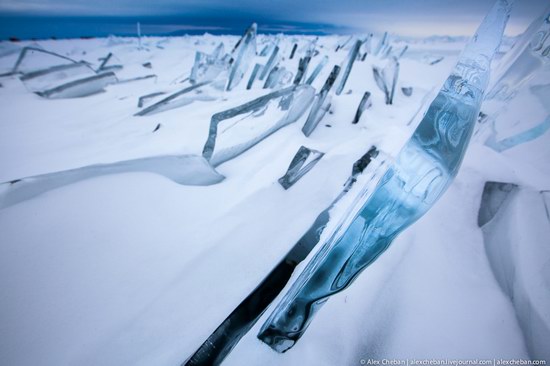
(44, 18)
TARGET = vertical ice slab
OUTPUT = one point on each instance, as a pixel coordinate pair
(386, 79)
(317, 70)
(365, 103)
(270, 63)
(243, 55)
(302, 68)
(530, 53)
(422, 171)
(321, 103)
(208, 67)
(236, 130)
(255, 72)
(348, 64)
(304, 160)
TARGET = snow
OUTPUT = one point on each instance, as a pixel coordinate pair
(134, 268)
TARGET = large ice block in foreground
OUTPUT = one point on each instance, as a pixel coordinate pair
(220, 343)
(182, 169)
(516, 227)
(421, 173)
(236, 130)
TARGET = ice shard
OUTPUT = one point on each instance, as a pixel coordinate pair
(530, 53)
(144, 98)
(436, 60)
(317, 70)
(348, 64)
(320, 104)
(302, 68)
(365, 103)
(402, 52)
(270, 63)
(495, 194)
(208, 67)
(81, 87)
(407, 91)
(174, 100)
(255, 71)
(520, 138)
(382, 44)
(304, 160)
(421, 173)
(51, 77)
(220, 343)
(236, 130)
(243, 55)
(293, 51)
(103, 66)
(386, 79)
(183, 169)
(25, 51)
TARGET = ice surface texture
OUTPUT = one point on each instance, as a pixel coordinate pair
(516, 227)
(304, 160)
(530, 53)
(184, 169)
(236, 130)
(423, 170)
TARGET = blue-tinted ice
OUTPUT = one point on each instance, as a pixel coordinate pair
(422, 171)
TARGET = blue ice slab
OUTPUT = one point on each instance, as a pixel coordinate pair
(422, 171)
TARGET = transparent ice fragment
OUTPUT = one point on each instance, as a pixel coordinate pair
(520, 138)
(421, 173)
(529, 54)
(270, 63)
(321, 104)
(348, 64)
(183, 169)
(365, 103)
(255, 72)
(236, 130)
(51, 77)
(174, 100)
(80, 87)
(244, 53)
(208, 67)
(304, 160)
(144, 98)
(302, 68)
(494, 196)
(386, 79)
(103, 66)
(317, 70)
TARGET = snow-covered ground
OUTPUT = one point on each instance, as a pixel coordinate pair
(135, 269)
